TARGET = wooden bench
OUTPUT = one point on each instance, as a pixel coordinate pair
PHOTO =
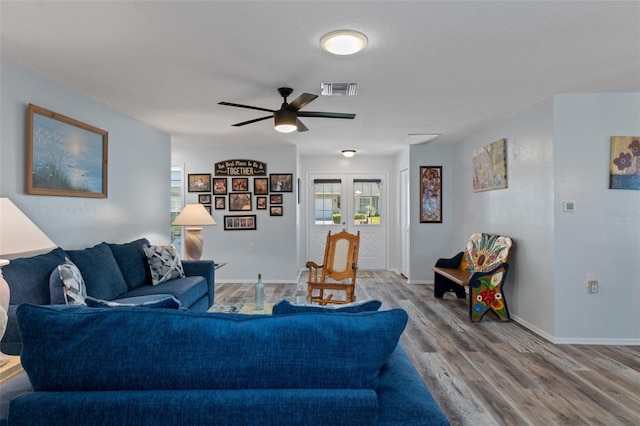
(483, 268)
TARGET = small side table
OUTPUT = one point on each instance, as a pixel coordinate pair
(11, 369)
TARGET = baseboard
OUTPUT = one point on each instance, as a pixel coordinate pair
(420, 282)
(227, 281)
(575, 340)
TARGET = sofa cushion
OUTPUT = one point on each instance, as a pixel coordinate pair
(28, 277)
(100, 271)
(188, 290)
(164, 302)
(284, 307)
(164, 263)
(215, 351)
(73, 286)
(132, 262)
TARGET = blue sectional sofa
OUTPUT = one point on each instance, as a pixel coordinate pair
(141, 366)
(118, 272)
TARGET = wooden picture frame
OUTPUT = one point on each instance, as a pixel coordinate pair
(204, 198)
(282, 182)
(240, 184)
(65, 157)
(261, 203)
(260, 186)
(199, 182)
(275, 211)
(220, 203)
(240, 201)
(275, 199)
(219, 186)
(430, 194)
(240, 223)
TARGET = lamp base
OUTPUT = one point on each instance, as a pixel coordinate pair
(4, 307)
(193, 243)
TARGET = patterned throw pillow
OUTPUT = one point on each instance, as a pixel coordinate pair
(164, 263)
(74, 289)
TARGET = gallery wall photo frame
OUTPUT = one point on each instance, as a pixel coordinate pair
(65, 157)
(239, 184)
(261, 186)
(219, 186)
(199, 182)
(261, 203)
(430, 194)
(275, 211)
(281, 182)
(220, 203)
(240, 223)
(275, 199)
(240, 201)
(204, 198)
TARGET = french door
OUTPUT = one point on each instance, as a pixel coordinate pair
(353, 202)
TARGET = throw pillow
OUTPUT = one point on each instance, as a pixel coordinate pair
(285, 307)
(74, 288)
(132, 262)
(100, 271)
(164, 263)
(168, 302)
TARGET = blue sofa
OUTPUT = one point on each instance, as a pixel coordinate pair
(141, 366)
(118, 272)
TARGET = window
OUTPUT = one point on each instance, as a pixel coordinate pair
(327, 201)
(177, 202)
(366, 193)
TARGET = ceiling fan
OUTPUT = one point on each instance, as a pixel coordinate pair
(286, 118)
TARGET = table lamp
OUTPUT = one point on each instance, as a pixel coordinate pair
(193, 217)
(18, 236)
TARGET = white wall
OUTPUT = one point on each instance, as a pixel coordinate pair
(559, 150)
(603, 235)
(139, 173)
(275, 239)
(430, 241)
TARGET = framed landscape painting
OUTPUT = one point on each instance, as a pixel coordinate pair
(65, 156)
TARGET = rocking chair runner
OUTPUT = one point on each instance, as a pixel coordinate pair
(338, 270)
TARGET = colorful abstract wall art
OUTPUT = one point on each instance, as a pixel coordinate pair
(624, 169)
(490, 167)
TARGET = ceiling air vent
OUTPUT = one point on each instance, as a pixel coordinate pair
(339, 89)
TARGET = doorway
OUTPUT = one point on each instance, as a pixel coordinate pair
(353, 202)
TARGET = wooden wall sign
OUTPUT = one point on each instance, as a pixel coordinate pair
(240, 168)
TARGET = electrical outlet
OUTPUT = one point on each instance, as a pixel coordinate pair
(593, 286)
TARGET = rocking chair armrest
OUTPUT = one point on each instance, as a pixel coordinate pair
(314, 265)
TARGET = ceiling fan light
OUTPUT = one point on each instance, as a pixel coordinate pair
(348, 152)
(344, 42)
(285, 121)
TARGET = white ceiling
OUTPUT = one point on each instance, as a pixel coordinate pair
(444, 67)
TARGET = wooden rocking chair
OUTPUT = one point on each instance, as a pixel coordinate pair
(338, 270)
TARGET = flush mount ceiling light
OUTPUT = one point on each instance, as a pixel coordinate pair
(285, 121)
(348, 152)
(343, 42)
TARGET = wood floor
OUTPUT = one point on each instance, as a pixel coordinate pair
(493, 373)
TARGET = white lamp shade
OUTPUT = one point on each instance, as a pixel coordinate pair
(194, 215)
(18, 234)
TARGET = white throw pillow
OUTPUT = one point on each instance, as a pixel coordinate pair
(74, 288)
(164, 263)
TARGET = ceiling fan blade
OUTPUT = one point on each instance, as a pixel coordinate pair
(252, 121)
(245, 106)
(301, 126)
(326, 114)
(300, 101)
